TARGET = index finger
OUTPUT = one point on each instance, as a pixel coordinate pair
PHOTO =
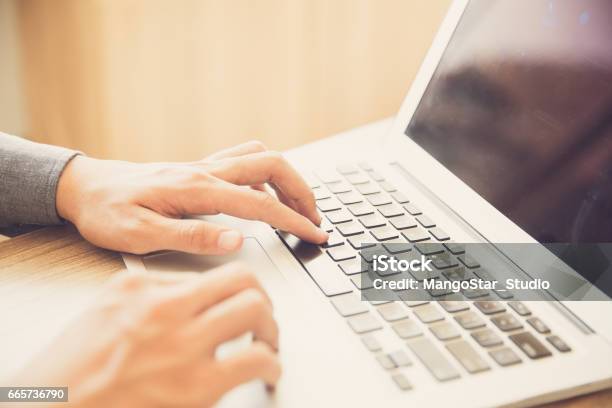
(270, 167)
(250, 204)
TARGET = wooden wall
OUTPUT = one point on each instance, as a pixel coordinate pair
(175, 80)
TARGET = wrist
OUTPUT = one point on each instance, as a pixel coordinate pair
(67, 196)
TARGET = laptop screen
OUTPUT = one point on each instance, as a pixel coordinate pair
(520, 108)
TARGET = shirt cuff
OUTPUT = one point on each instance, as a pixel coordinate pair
(29, 176)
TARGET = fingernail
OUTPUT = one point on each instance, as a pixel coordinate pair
(323, 236)
(229, 240)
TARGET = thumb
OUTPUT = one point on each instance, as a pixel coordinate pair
(197, 236)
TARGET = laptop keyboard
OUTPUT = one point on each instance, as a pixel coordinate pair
(366, 215)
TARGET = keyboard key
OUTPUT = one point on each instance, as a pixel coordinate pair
(559, 344)
(349, 304)
(326, 225)
(378, 199)
(390, 210)
(400, 358)
(433, 359)
(489, 307)
(469, 261)
(412, 209)
(469, 320)
(484, 274)
(341, 253)
(397, 246)
(379, 296)
(439, 234)
(454, 248)
(353, 266)
(368, 253)
(393, 311)
(454, 306)
(487, 338)
(328, 176)
(338, 216)
(503, 293)
(361, 241)
(362, 281)
(425, 221)
(402, 382)
(384, 233)
(539, 325)
(365, 166)
(506, 322)
(350, 197)
(443, 261)
(330, 280)
(520, 308)
(388, 187)
(529, 345)
(475, 293)
(358, 178)
(385, 362)
(428, 313)
(334, 239)
(320, 193)
(437, 292)
(328, 204)
(458, 274)
(416, 235)
(363, 323)
(368, 188)
(350, 228)
(376, 176)
(407, 329)
(414, 297)
(403, 222)
(422, 275)
(371, 342)
(360, 209)
(444, 331)
(311, 181)
(467, 356)
(429, 248)
(339, 187)
(505, 357)
(347, 169)
(372, 221)
(399, 197)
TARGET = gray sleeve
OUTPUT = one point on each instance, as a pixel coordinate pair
(29, 173)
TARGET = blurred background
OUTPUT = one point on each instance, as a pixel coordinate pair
(176, 80)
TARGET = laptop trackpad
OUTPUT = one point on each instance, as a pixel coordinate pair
(254, 393)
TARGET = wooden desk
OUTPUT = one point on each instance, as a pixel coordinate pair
(48, 276)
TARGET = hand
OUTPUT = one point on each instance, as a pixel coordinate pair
(138, 208)
(150, 340)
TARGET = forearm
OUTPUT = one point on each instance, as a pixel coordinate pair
(29, 174)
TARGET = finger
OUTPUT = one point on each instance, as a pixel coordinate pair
(270, 167)
(256, 362)
(229, 199)
(194, 236)
(245, 312)
(207, 289)
(284, 199)
(252, 146)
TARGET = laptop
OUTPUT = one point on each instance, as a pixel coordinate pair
(504, 139)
